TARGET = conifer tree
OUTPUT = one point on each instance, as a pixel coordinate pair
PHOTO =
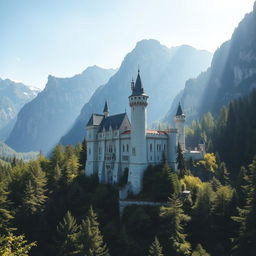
(54, 178)
(201, 214)
(71, 170)
(181, 163)
(223, 174)
(91, 238)
(35, 191)
(5, 212)
(246, 242)
(58, 156)
(11, 245)
(67, 236)
(155, 249)
(173, 212)
(200, 251)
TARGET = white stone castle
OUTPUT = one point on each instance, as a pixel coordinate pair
(114, 144)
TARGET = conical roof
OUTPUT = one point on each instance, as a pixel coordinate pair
(179, 111)
(138, 87)
(105, 107)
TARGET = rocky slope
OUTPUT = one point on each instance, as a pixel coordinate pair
(13, 96)
(232, 74)
(163, 71)
(42, 121)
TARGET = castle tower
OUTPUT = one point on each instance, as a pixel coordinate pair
(105, 110)
(179, 121)
(138, 154)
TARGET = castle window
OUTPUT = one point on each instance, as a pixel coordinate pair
(150, 147)
(127, 148)
(123, 147)
(139, 98)
(164, 147)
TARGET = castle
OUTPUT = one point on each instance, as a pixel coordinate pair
(114, 144)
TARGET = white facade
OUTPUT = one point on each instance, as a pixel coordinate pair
(114, 144)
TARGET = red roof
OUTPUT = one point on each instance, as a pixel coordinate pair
(148, 132)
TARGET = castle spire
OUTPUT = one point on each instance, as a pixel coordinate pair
(179, 111)
(106, 110)
(138, 87)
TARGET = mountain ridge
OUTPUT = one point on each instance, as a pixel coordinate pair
(232, 74)
(52, 112)
(155, 62)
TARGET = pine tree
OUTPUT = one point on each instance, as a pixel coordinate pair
(35, 192)
(246, 242)
(181, 163)
(67, 236)
(176, 219)
(11, 245)
(201, 214)
(155, 249)
(71, 170)
(200, 251)
(223, 174)
(91, 238)
(5, 212)
(54, 178)
(58, 156)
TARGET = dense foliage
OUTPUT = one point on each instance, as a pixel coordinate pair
(232, 135)
(49, 207)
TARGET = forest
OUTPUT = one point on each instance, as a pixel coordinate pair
(49, 207)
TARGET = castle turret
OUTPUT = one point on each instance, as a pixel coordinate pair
(105, 110)
(179, 121)
(138, 154)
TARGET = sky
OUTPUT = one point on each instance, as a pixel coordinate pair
(63, 37)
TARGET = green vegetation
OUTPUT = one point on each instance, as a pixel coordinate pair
(49, 207)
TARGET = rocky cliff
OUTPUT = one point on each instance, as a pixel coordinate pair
(41, 122)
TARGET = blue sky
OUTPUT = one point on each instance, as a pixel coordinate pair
(63, 37)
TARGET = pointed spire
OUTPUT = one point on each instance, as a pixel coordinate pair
(138, 87)
(179, 111)
(105, 110)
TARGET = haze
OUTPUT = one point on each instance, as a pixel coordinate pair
(63, 37)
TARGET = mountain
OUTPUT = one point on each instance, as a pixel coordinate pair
(41, 122)
(13, 96)
(232, 74)
(7, 152)
(163, 71)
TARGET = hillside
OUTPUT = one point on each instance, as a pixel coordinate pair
(41, 122)
(13, 96)
(232, 74)
(163, 71)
